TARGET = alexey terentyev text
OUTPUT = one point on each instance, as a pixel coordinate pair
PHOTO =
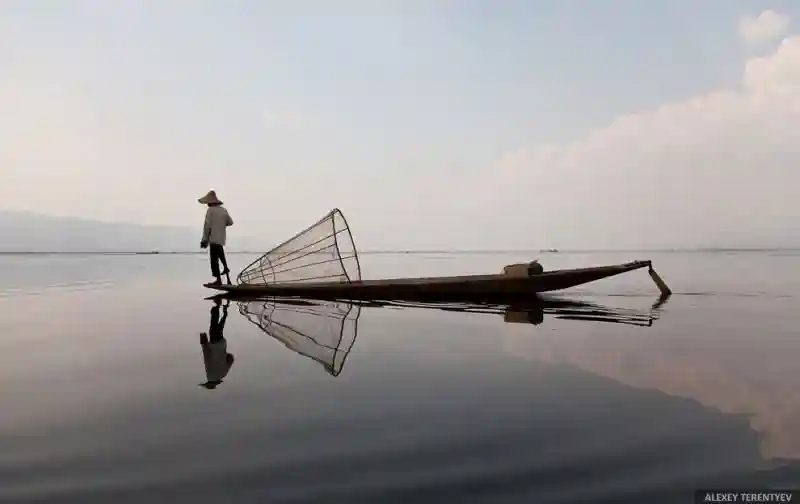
(746, 496)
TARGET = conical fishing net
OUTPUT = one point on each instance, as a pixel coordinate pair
(321, 330)
(323, 252)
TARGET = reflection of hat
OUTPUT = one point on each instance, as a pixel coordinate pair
(210, 197)
(211, 385)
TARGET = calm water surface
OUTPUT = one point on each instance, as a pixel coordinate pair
(607, 399)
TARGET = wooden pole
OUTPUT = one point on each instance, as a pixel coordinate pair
(662, 286)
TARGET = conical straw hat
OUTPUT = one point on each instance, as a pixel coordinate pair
(210, 197)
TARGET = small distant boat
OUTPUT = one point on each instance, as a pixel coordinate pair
(321, 262)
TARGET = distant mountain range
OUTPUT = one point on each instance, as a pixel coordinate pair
(28, 232)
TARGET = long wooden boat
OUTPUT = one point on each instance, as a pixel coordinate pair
(432, 288)
(321, 262)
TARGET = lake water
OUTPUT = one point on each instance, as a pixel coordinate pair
(607, 399)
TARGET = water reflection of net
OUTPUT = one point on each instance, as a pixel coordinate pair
(323, 252)
(324, 331)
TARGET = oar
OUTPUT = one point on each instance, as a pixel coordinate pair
(662, 286)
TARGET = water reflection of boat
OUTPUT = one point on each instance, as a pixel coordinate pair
(326, 330)
(533, 310)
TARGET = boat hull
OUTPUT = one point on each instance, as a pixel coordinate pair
(432, 288)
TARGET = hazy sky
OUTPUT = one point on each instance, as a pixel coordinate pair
(430, 123)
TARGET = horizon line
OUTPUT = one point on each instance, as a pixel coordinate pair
(421, 251)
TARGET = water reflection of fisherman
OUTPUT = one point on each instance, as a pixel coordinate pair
(215, 348)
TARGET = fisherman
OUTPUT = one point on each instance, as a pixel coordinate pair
(214, 234)
(216, 358)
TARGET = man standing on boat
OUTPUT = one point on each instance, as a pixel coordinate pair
(214, 234)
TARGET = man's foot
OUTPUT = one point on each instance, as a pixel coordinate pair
(218, 281)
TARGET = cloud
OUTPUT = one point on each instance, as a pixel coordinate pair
(765, 28)
(718, 169)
